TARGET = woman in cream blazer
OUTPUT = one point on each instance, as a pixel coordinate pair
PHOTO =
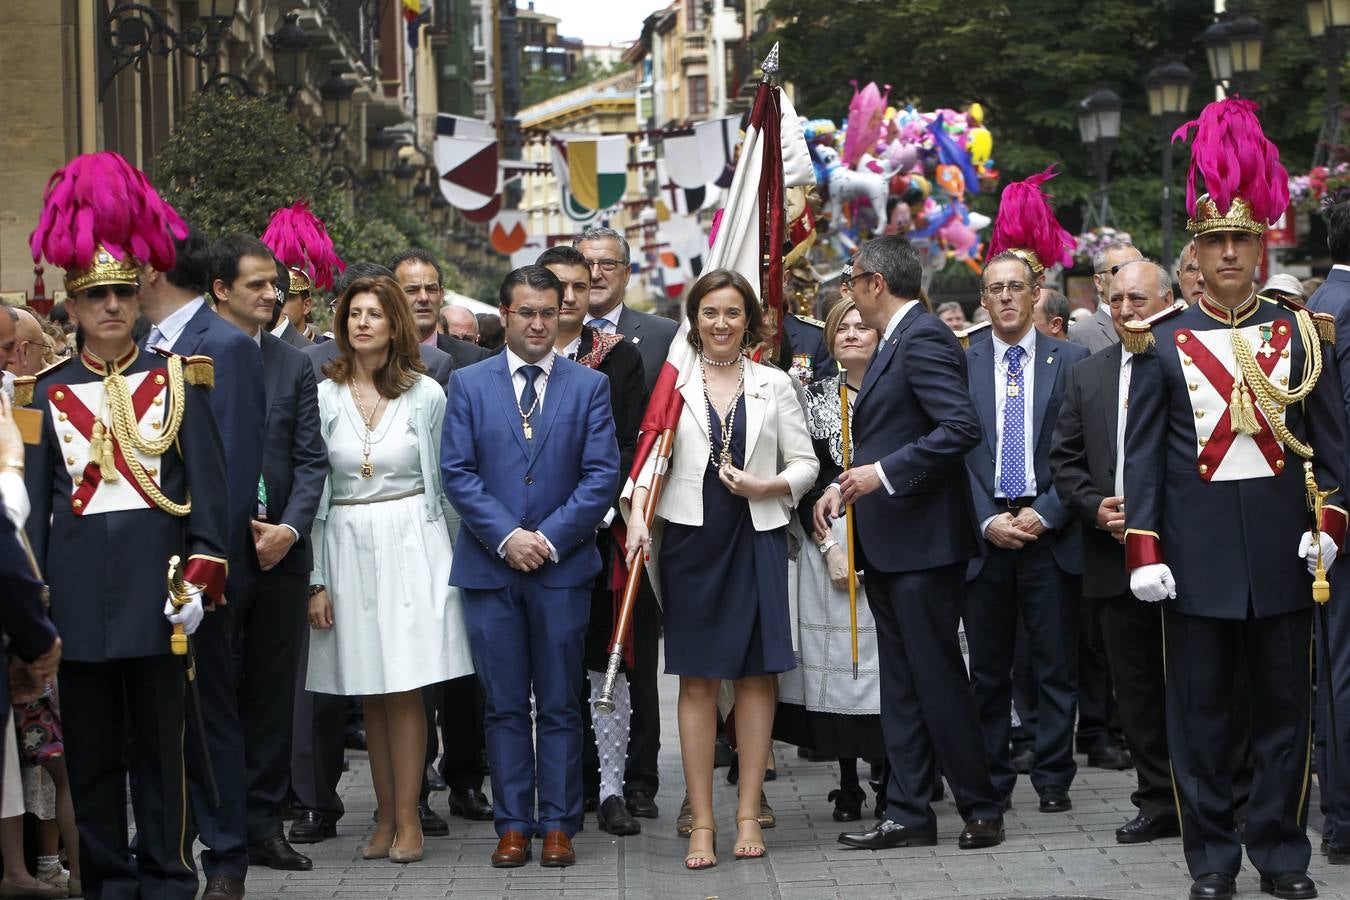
(722, 558)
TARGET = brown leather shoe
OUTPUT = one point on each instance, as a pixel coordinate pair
(981, 833)
(513, 849)
(558, 850)
(218, 887)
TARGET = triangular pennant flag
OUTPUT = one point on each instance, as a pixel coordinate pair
(598, 170)
(469, 173)
(484, 214)
(507, 233)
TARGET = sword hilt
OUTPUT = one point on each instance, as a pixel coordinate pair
(178, 641)
(605, 702)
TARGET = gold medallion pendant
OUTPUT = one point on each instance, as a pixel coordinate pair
(367, 470)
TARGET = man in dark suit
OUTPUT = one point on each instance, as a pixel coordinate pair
(186, 324)
(1032, 553)
(292, 314)
(1089, 477)
(529, 459)
(1333, 675)
(912, 428)
(606, 252)
(418, 273)
(604, 760)
(269, 617)
(1096, 331)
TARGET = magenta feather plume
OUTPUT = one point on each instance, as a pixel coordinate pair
(1236, 159)
(1026, 221)
(300, 240)
(100, 199)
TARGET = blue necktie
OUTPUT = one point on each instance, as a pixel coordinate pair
(1013, 462)
(528, 397)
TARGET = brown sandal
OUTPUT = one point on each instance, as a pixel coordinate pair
(709, 859)
(746, 849)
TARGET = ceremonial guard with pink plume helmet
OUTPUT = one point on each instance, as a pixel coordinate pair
(1234, 454)
(300, 241)
(125, 484)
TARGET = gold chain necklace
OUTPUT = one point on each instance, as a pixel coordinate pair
(367, 470)
(721, 458)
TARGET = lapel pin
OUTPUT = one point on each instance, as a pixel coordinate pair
(1049, 360)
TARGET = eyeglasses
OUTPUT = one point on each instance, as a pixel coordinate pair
(547, 314)
(848, 280)
(1014, 287)
(120, 291)
(1111, 271)
(606, 265)
(431, 290)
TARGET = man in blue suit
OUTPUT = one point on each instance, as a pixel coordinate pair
(530, 461)
(185, 323)
(912, 428)
(1031, 557)
(1333, 675)
(269, 616)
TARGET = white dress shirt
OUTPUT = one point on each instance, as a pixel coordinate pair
(514, 364)
(171, 327)
(1122, 407)
(281, 327)
(609, 322)
(1028, 345)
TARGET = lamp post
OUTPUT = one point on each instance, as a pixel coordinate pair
(1245, 38)
(404, 176)
(290, 49)
(383, 148)
(422, 194)
(336, 96)
(1169, 93)
(1328, 23)
(1099, 128)
(134, 31)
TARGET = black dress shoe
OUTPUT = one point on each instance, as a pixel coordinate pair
(1055, 799)
(641, 804)
(470, 803)
(1109, 756)
(218, 887)
(355, 739)
(1289, 885)
(311, 827)
(1215, 886)
(886, 836)
(615, 818)
(434, 780)
(1336, 854)
(1023, 760)
(1142, 829)
(981, 833)
(432, 824)
(848, 803)
(590, 804)
(275, 853)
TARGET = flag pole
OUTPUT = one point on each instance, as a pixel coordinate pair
(848, 530)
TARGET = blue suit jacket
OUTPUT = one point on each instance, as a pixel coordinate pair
(913, 415)
(237, 404)
(295, 456)
(1052, 359)
(561, 484)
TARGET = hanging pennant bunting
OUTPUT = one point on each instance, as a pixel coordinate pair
(698, 158)
(528, 252)
(462, 126)
(507, 233)
(574, 210)
(598, 171)
(469, 174)
(486, 213)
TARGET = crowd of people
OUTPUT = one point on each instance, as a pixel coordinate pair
(402, 536)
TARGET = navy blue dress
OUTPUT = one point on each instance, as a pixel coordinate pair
(725, 584)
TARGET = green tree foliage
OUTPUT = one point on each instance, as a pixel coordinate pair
(235, 159)
(538, 85)
(1030, 62)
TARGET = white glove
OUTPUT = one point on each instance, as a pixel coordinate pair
(1153, 582)
(190, 614)
(1307, 552)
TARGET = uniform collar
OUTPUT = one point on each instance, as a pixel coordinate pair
(1223, 314)
(103, 368)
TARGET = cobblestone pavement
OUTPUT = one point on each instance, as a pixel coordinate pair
(1066, 855)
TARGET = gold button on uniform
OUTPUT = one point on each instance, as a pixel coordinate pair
(159, 379)
(156, 425)
(67, 438)
(61, 417)
(152, 472)
(59, 395)
(158, 401)
(1199, 413)
(1284, 354)
(1279, 464)
(1193, 386)
(1283, 329)
(1284, 382)
(70, 460)
(1185, 360)
(1204, 441)
(1181, 339)
(77, 503)
(1204, 469)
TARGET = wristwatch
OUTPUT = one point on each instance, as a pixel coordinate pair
(317, 588)
(13, 463)
(827, 545)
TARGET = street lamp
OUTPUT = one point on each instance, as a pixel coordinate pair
(336, 94)
(1169, 93)
(1328, 23)
(1316, 13)
(422, 194)
(1245, 37)
(134, 31)
(1099, 127)
(404, 175)
(290, 46)
(383, 148)
(1218, 52)
(440, 212)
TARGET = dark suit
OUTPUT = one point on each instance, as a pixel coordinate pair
(1226, 516)
(651, 335)
(464, 353)
(439, 364)
(1037, 584)
(238, 403)
(1084, 461)
(291, 335)
(913, 414)
(23, 615)
(1096, 332)
(270, 627)
(1333, 769)
(527, 629)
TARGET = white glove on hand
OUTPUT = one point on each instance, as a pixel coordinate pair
(1153, 582)
(190, 615)
(1309, 553)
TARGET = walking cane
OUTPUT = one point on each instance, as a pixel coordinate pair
(848, 523)
(623, 623)
(180, 644)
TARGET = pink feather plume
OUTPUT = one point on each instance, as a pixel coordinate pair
(100, 199)
(1236, 159)
(1026, 221)
(300, 240)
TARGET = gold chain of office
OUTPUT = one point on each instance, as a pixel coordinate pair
(126, 431)
(1270, 398)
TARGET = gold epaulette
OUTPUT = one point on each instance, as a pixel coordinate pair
(1325, 322)
(200, 370)
(1139, 333)
(965, 336)
(23, 390)
(810, 321)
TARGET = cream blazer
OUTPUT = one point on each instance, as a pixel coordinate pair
(777, 445)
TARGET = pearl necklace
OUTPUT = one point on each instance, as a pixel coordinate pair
(721, 458)
(718, 363)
